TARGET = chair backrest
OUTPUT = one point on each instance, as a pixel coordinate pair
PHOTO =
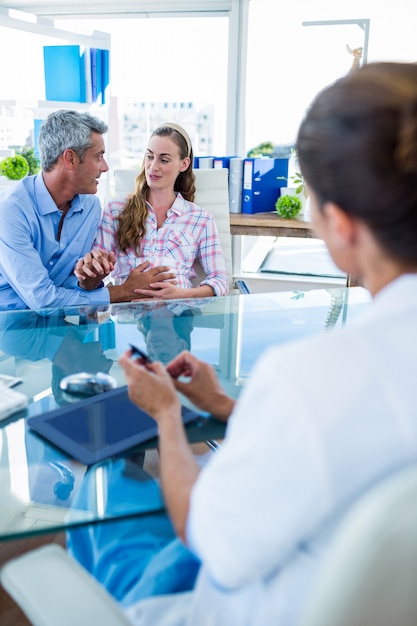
(52, 589)
(212, 194)
(370, 576)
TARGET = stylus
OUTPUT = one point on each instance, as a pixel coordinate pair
(140, 353)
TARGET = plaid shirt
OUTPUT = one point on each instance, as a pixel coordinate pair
(188, 233)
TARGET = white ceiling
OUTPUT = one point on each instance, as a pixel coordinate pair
(116, 8)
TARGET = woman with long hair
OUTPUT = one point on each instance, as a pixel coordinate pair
(159, 225)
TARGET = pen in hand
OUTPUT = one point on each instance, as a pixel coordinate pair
(140, 353)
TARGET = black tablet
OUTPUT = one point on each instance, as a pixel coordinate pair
(99, 427)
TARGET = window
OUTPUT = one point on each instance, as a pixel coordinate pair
(160, 71)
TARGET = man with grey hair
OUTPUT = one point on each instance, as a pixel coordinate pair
(48, 221)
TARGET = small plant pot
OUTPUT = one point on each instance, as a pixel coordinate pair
(288, 206)
(15, 168)
(292, 191)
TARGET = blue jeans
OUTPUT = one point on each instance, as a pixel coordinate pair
(137, 557)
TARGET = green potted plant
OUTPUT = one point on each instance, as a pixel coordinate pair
(298, 189)
(288, 206)
(14, 168)
(31, 158)
(265, 148)
(298, 185)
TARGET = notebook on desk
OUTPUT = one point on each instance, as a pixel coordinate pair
(99, 427)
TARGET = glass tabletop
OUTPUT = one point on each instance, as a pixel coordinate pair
(44, 490)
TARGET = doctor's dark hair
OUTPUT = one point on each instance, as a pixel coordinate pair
(357, 147)
(63, 130)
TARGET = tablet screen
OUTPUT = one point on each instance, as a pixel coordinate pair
(99, 427)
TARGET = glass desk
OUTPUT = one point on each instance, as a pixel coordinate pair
(42, 489)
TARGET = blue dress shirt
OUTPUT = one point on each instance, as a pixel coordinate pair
(37, 270)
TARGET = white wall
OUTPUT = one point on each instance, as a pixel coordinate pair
(285, 62)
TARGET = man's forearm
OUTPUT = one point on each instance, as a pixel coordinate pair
(119, 293)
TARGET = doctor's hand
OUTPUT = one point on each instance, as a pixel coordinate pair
(203, 388)
(151, 388)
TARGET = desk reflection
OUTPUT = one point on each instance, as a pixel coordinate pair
(71, 344)
(166, 333)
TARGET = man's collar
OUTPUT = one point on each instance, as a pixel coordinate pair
(46, 203)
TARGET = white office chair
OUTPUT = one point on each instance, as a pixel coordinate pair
(369, 578)
(212, 194)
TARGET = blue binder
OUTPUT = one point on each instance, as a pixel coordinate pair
(65, 79)
(105, 75)
(262, 180)
(95, 55)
